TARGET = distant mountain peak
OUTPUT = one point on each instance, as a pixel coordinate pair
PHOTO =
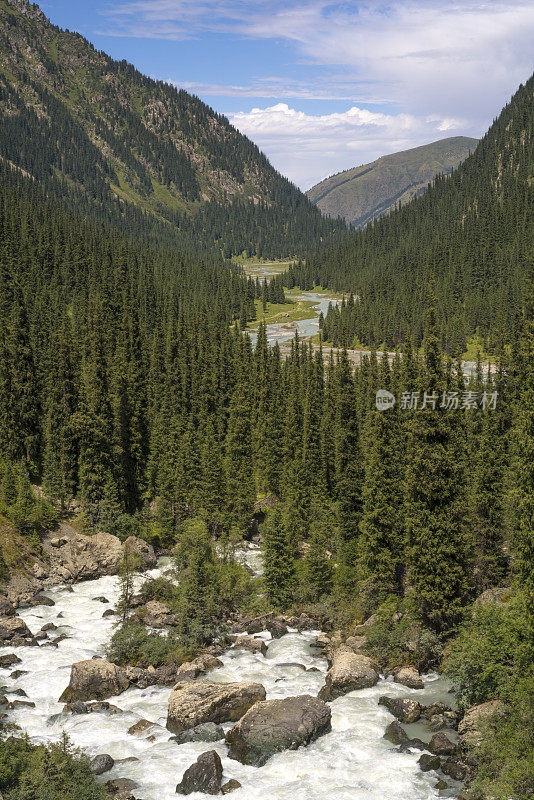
(363, 193)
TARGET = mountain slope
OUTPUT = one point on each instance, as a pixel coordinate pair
(363, 193)
(116, 140)
(473, 231)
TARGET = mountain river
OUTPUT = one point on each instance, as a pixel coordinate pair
(353, 762)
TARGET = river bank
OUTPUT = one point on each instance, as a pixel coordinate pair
(353, 761)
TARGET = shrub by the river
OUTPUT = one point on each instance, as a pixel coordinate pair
(39, 772)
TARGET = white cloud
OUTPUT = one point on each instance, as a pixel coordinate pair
(437, 61)
(308, 147)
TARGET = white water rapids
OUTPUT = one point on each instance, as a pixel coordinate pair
(353, 762)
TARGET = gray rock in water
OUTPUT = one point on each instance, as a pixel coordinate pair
(101, 763)
(14, 629)
(395, 733)
(404, 709)
(272, 726)
(195, 702)
(8, 660)
(207, 732)
(94, 679)
(116, 785)
(408, 676)
(441, 745)
(427, 762)
(254, 645)
(18, 673)
(230, 786)
(276, 629)
(205, 775)
(349, 671)
(455, 769)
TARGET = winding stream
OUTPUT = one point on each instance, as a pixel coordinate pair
(353, 762)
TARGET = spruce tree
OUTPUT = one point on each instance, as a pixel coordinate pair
(278, 553)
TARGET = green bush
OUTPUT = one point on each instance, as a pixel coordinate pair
(399, 637)
(133, 644)
(505, 757)
(37, 772)
(490, 650)
(161, 589)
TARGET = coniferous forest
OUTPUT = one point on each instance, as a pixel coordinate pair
(133, 399)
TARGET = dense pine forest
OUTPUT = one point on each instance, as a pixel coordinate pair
(140, 153)
(132, 400)
(473, 231)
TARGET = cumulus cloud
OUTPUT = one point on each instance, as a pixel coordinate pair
(438, 62)
(308, 147)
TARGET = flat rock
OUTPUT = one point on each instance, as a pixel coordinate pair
(8, 660)
(349, 671)
(207, 732)
(249, 643)
(230, 786)
(95, 679)
(193, 703)
(272, 726)
(205, 775)
(405, 709)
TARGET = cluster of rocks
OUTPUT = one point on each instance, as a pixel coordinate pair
(69, 556)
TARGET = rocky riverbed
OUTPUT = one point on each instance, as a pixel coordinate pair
(335, 749)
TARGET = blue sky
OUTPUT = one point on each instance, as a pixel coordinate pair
(321, 86)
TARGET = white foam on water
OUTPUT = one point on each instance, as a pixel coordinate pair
(353, 762)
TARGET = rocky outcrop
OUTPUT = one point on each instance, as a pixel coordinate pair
(276, 725)
(205, 775)
(7, 608)
(13, 628)
(191, 704)
(409, 677)
(74, 556)
(470, 727)
(405, 709)
(349, 671)
(95, 679)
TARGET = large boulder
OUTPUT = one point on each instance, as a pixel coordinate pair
(101, 763)
(190, 670)
(205, 775)
(75, 556)
(349, 671)
(13, 628)
(191, 704)
(275, 725)
(249, 643)
(441, 745)
(408, 676)
(94, 680)
(405, 709)
(470, 727)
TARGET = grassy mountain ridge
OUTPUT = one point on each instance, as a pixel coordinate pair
(473, 231)
(116, 139)
(363, 193)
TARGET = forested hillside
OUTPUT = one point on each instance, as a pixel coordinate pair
(127, 149)
(473, 231)
(364, 193)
